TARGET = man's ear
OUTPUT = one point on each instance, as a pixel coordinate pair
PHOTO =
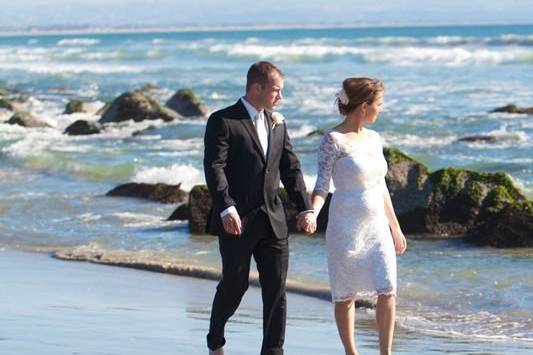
(256, 88)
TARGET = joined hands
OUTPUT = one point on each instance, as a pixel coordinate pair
(306, 222)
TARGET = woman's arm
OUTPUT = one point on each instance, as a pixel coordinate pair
(400, 243)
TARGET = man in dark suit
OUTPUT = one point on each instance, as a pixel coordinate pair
(247, 152)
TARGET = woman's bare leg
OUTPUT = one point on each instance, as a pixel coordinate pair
(345, 318)
(385, 317)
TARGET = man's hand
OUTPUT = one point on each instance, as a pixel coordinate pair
(232, 223)
(306, 222)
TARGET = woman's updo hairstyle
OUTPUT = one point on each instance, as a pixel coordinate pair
(355, 91)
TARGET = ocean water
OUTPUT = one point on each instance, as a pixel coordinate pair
(440, 85)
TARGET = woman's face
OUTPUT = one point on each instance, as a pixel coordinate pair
(373, 109)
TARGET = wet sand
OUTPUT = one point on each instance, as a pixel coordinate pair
(51, 306)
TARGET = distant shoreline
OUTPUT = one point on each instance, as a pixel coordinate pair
(51, 31)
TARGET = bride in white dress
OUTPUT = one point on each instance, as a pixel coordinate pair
(363, 235)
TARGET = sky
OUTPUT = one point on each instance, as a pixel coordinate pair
(164, 13)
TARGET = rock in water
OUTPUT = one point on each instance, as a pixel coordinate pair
(26, 119)
(181, 213)
(157, 192)
(186, 104)
(82, 127)
(74, 106)
(136, 106)
(511, 227)
(478, 138)
(514, 109)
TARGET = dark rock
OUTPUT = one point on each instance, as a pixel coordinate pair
(26, 119)
(186, 104)
(514, 109)
(157, 192)
(7, 104)
(316, 132)
(478, 138)
(510, 227)
(410, 193)
(181, 213)
(81, 127)
(138, 107)
(199, 207)
(74, 106)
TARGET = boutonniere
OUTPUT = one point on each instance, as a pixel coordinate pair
(277, 119)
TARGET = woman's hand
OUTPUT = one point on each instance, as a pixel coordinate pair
(400, 243)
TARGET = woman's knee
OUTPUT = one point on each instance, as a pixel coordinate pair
(344, 304)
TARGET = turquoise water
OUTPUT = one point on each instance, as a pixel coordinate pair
(440, 84)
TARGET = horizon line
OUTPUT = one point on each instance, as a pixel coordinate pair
(125, 29)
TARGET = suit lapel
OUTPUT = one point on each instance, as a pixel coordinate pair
(249, 125)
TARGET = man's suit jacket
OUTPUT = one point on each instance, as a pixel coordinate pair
(238, 174)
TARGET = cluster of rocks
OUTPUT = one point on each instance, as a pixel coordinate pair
(482, 208)
(488, 138)
(11, 100)
(135, 105)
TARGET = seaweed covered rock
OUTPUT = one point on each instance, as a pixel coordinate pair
(137, 106)
(462, 198)
(487, 208)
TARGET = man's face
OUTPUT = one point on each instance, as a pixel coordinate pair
(271, 93)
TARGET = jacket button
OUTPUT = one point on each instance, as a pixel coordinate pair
(267, 171)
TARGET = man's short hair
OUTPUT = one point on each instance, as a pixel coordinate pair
(258, 73)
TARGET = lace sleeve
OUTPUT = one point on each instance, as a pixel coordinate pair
(327, 154)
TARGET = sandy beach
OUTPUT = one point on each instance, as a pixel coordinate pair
(50, 306)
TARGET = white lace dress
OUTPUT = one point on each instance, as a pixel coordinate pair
(360, 249)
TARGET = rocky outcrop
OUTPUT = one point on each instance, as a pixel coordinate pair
(156, 192)
(82, 127)
(514, 109)
(74, 106)
(199, 207)
(462, 199)
(509, 227)
(186, 103)
(447, 202)
(136, 106)
(26, 119)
